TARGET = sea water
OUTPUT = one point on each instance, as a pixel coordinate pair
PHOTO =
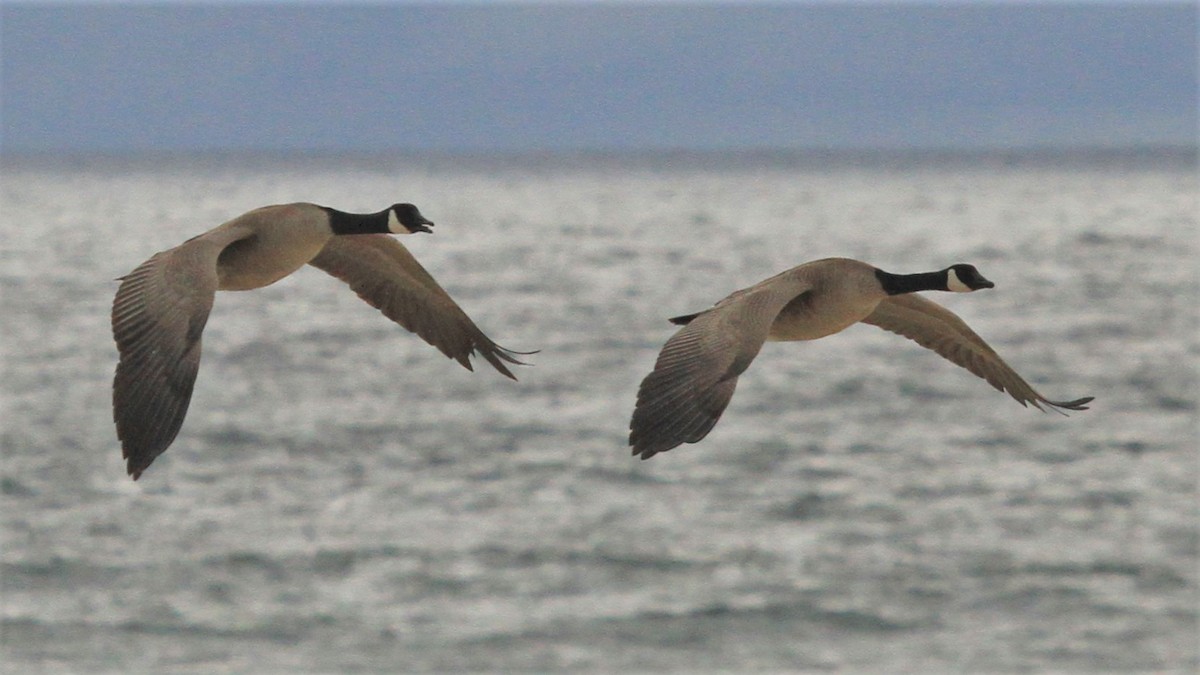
(344, 498)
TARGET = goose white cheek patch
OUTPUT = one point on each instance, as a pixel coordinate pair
(394, 225)
(953, 283)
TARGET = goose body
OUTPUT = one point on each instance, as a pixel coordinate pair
(696, 371)
(161, 307)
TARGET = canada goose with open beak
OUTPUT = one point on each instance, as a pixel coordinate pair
(161, 306)
(696, 372)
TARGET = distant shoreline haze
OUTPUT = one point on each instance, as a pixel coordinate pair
(574, 78)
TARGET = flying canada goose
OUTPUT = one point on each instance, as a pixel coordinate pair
(696, 372)
(161, 306)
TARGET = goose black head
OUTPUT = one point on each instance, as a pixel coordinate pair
(963, 278)
(406, 219)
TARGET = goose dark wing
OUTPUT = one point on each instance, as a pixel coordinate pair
(158, 316)
(696, 371)
(935, 327)
(385, 275)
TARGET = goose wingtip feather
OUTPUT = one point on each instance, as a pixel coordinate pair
(1077, 404)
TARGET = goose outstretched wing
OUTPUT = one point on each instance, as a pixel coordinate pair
(934, 327)
(386, 276)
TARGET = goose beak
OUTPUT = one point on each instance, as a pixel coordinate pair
(423, 226)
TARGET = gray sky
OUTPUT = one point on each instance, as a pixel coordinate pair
(577, 76)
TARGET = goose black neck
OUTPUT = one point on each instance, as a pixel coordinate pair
(897, 284)
(357, 223)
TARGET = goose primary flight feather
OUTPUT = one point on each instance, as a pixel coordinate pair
(161, 307)
(696, 372)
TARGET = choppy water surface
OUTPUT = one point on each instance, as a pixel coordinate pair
(344, 498)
